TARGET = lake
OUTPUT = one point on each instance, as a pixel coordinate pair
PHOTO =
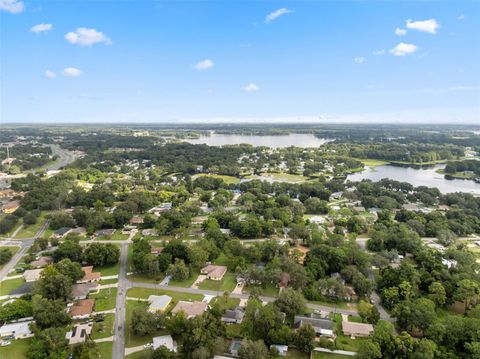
(293, 139)
(417, 177)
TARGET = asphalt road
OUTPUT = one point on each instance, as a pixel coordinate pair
(119, 328)
(233, 295)
(25, 244)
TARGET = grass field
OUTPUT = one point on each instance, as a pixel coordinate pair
(319, 355)
(138, 355)
(144, 278)
(144, 293)
(109, 270)
(226, 179)
(105, 299)
(372, 162)
(185, 283)
(270, 290)
(284, 177)
(105, 350)
(8, 285)
(103, 329)
(16, 350)
(32, 229)
(228, 283)
(108, 281)
(13, 249)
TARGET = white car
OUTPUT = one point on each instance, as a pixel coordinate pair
(4, 344)
(148, 345)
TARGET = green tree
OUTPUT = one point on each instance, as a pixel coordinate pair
(467, 290)
(162, 352)
(253, 350)
(179, 271)
(49, 313)
(5, 255)
(20, 308)
(369, 350)
(436, 293)
(72, 270)
(305, 339)
(290, 302)
(143, 322)
(48, 343)
(53, 284)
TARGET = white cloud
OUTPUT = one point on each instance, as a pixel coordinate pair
(12, 6)
(87, 37)
(204, 65)
(276, 14)
(403, 49)
(430, 25)
(359, 60)
(461, 17)
(400, 32)
(378, 52)
(71, 72)
(251, 87)
(50, 74)
(41, 28)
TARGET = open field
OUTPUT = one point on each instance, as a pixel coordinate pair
(105, 299)
(16, 350)
(144, 293)
(8, 285)
(103, 329)
(228, 283)
(226, 179)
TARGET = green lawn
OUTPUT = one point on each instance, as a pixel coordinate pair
(109, 270)
(372, 162)
(105, 299)
(16, 350)
(117, 236)
(340, 305)
(228, 283)
(8, 285)
(222, 260)
(30, 230)
(185, 283)
(296, 354)
(142, 277)
(130, 267)
(13, 249)
(269, 291)
(284, 177)
(319, 355)
(355, 319)
(230, 303)
(144, 293)
(108, 281)
(132, 340)
(138, 355)
(105, 350)
(226, 179)
(104, 329)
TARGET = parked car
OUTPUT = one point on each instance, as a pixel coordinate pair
(5, 343)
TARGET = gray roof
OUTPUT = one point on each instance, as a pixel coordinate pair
(25, 288)
(320, 323)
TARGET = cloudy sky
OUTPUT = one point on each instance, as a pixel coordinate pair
(148, 61)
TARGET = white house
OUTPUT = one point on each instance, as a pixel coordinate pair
(18, 330)
(166, 341)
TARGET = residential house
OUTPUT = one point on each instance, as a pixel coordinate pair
(81, 291)
(214, 272)
(136, 220)
(104, 232)
(166, 341)
(158, 303)
(41, 262)
(356, 329)
(90, 276)
(32, 275)
(79, 333)
(164, 207)
(17, 330)
(281, 349)
(284, 280)
(191, 309)
(7, 193)
(81, 231)
(322, 326)
(233, 316)
(61, 232)
(156, 250)
(235, 347)
(10, 207)
(82, 309)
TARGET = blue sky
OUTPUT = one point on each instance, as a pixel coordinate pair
(149, 61)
